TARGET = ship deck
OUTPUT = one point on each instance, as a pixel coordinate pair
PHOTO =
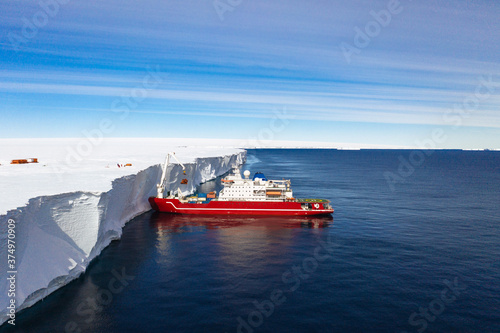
(311, 200)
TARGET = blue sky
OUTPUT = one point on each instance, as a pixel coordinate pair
(366, 72)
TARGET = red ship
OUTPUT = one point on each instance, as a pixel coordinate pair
(240, 196)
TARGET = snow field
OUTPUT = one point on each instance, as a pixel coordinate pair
(58, 234)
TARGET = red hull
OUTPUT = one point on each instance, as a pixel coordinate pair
(238, 207)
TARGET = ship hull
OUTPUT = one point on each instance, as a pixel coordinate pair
(213, 207)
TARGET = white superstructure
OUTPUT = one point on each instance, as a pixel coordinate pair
(259, 188)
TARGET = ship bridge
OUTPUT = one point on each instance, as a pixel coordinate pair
(259, 188)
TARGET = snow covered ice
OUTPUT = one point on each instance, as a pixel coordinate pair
(68, 207)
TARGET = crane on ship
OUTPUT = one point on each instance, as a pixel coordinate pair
(161, 185)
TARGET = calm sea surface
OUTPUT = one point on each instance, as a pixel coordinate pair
(413, 246)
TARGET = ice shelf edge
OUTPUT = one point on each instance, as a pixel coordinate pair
(58, 236)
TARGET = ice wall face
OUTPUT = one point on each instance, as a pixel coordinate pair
(58, 236)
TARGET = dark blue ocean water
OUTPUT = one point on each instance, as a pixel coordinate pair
(415, 249)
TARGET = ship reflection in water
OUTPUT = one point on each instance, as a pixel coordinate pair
(238, 252)
(181, 223)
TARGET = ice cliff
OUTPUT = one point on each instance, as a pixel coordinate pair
(58, 235)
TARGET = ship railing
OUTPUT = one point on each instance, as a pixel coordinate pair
(280, 182)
